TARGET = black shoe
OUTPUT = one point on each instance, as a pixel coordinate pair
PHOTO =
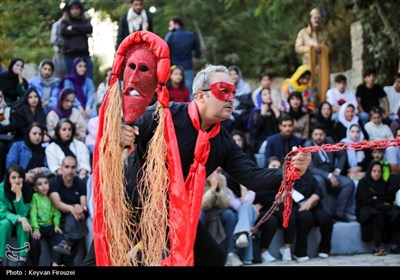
(21, 263)
(340, 219)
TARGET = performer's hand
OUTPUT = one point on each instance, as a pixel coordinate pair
(301, 161)
(128, 135)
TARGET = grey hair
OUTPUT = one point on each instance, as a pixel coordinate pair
(202, 79)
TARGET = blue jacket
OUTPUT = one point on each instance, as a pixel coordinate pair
(275, 146)
(20, 153)
(181, 44)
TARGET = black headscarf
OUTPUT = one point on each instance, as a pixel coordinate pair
(27, 191)
(38, 157)
(9, 80)
(299, 113)
(64, 145)
(328, 124)
(378, 187)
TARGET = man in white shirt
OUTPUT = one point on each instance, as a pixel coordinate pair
(393, 95)
(339, 95)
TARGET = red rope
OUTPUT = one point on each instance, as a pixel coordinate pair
(291, 174)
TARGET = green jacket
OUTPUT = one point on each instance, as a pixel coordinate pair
(43, 212)
(6, 208)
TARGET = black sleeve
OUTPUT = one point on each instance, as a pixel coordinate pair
(245, 171)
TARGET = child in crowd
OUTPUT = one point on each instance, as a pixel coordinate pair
(178, 92)
(45, 221)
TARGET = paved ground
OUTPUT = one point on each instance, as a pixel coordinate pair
(351, 260)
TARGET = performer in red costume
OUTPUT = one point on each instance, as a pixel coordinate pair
(176, 148)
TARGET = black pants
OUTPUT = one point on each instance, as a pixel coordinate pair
(207, 252)
(52, 238)
(306, 220)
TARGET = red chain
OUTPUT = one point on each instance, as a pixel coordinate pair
(291, 174)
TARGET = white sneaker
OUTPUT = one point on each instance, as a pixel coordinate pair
(286, 254)
(323, 255)
(301, 259)
(242, 241)
(267, 257)
(233, 260)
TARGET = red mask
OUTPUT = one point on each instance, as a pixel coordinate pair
(140, 83)
(222, 91)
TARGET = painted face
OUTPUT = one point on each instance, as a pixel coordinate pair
(223, 91)
(140, 83)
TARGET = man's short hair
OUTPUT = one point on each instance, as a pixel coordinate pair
(177, 21)
(369, 71)
(264, 74)
(318, 126)
(202, 79)
(340, 78)
(284, 117)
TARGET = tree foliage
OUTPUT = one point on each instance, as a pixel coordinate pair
(257, 35)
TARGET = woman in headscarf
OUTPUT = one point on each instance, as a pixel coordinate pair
(83, 86)
(301, 119)
(242, 104)
(12, 83)
(29, 153)
(46, 84)
(15, 199)
(263, 120)
(324, 118)
(347, 117)
(357, 162)
(63, 110)
(300, 82)
(30, 111)
(373, 200)
(66, 145)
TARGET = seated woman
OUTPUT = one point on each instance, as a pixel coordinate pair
(373, 201)
(83, 87)
(12, 83)
(300, 82)
(29, 153)
(263, 120)
(324, 119)
(31, 111)
(301, 119)
(309, 214)
(7, 129)
(63, 110)
(15, 199)
(65, 145)
(45, 83)
(346, 118)
(375, 128)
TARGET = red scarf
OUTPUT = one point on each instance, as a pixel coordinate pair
(185, 197)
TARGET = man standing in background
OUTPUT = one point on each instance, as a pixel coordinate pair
(136, 19)
(312, 43)
(181, 44)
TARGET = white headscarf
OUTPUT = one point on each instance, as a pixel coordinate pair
(353, 157)
(342, 118)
